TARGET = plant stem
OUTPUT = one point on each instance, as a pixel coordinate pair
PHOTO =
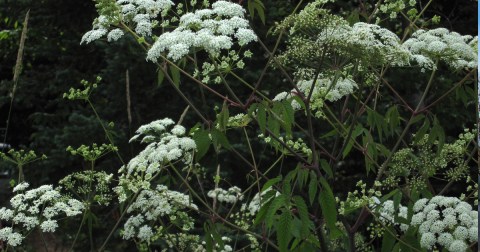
(105, 130)
(407, 127)
(216, 214)
(78, 231)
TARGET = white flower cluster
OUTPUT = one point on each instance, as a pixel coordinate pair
(164, 146)
(230, 196)
(167, 143)
(387, 213)
(238, 120)
(324, 89)
(369, 42)
(455, 50)
(150, 206)
(207, 29)
(316, 35)
(259, 200)
(446, 221)
(35, 207)
(100, 28)
(141, 13)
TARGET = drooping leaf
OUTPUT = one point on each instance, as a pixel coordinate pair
(388, 240)
(312, 187)
(160, 77)
(326, 167)
(356, 132)
(288, 116)
(256, 5)
(277, 203)
(422, 131)
(175, 73)
(283, 229)
(222, 117)
(304, 216)
(203, 141)
(262, 117)
(329, 208)
(271, 182)
(219, 139)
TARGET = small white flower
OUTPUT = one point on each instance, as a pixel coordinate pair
(114, 35)
(224, 8)
(445, 239)
(457, 245)
(6, 214)
(433, 215)
(245, 36)
(473, 234)
(437, 227)
(417, 219)
(461, 233)
(49, 226)
(419, 205)
(93, 35)
(465, 219)
(424, 227)
(21, 187)
(14, 239)
(145, 233)
(428, 240)
(178, 130)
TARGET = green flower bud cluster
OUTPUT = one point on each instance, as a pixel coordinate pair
(92, 153)
(87, 182)
(82, 94)
(416, 164)
(358, 198)
(20, 157)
